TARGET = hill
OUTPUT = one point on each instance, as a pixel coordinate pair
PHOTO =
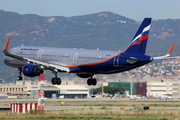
(104, 30)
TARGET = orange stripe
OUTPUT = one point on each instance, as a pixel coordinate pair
(7, 44)
(93, 63)
(89, 64)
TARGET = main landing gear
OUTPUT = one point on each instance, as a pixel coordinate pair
(91, 81)
(55, 80)
(20, 76)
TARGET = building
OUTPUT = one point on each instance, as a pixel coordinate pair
(66, 91)
(21, 88)
(138, 88)
(30, 89)
(141, 88)
(161, 87)
(164, 87)
(3, 96)
(1, 81)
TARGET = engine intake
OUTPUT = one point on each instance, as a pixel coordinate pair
(31, 70)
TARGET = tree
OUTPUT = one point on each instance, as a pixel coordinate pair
(109, 90)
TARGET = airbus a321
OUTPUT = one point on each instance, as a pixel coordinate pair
(32, 61)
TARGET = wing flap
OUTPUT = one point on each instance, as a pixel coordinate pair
(48, 65)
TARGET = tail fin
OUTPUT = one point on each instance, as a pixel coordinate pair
(139, 42)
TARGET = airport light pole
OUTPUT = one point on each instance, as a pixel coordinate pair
(102, 86)
(41, 93)
(23, 86)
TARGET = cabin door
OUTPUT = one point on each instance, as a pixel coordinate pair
(116, 61)
(39, 54)
(75, 57)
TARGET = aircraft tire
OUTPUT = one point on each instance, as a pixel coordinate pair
(54, 81)
(89, 81)
(94, 81)
(58, 81)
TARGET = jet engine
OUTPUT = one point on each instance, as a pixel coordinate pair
(31, 70)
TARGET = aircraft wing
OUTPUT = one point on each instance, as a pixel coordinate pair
(167, 55)
(44, 65)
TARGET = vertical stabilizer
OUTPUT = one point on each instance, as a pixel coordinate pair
(138, 43)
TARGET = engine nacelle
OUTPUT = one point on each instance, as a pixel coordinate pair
(31, 70)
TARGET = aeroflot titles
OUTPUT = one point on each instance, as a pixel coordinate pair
(29, 49)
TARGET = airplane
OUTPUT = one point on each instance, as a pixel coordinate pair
(132, 97)
(150, 95)
(165, 97)
(85, 63)
(158, 96)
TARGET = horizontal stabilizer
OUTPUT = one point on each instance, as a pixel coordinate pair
(130, 60)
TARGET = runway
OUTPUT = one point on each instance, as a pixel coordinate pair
(97, 101)
(99, 107)
(65, 104)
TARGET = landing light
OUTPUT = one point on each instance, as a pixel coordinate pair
(42, 67)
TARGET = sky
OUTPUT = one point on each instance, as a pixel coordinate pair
(133, 9)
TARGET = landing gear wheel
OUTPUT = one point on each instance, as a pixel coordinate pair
(91, 81)
(19, 78)
(58, 81)
(94, 81)
(54, 81)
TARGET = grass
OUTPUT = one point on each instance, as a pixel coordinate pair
(102, 112)
(94, 114)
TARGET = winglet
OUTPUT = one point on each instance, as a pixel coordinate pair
(167, 55)
(171, 49)
(7, 45)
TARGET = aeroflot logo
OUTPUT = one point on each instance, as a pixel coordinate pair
(29, 49)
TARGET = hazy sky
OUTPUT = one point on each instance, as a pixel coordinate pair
(134, 9)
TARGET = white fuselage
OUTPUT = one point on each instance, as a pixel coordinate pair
(60, 56)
